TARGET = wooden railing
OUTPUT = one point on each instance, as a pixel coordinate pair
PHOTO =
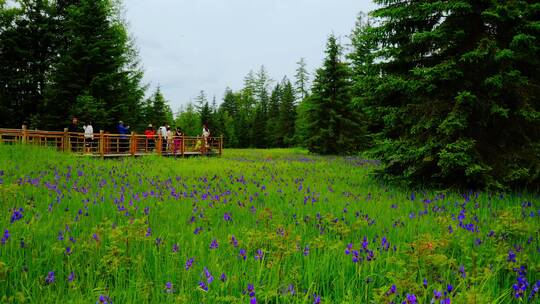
(105, 144)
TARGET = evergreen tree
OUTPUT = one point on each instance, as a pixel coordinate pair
(459, 91)
(189, 121)
(333, 126)
(287, 115)
(200, 100)
(259, 135)
(97, 60)
(230, 103)
(26, 54)
(366, 73)
(272, 123)
(301, 125)
(158, 111)
(302, 79)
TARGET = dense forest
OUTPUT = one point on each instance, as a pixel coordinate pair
(444, 93)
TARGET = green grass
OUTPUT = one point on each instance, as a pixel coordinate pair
(280, 202)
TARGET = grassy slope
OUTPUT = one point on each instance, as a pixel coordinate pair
(281, 201)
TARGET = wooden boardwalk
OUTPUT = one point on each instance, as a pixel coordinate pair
(107, 145)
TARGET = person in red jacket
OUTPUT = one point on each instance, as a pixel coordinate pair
(150, 133)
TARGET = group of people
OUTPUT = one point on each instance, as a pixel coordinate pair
(88, 135)
(172, 140)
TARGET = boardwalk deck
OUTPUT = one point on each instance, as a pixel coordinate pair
(107, 145)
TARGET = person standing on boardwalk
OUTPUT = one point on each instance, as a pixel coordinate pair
(74, 128)
(123, 131)
(88, 136)
(163, 133)
(149, 132)
(206, 135)
(177, 140)
(169, 138)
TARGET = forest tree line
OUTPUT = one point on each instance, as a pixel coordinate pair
(443, 93)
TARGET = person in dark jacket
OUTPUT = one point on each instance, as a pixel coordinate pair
(73, 138)
(124, 141)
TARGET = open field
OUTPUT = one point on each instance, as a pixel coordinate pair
(275, 226)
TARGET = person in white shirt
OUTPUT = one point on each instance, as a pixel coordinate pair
(88, 136)
(169, 137)
(206, 135)
(162, 131)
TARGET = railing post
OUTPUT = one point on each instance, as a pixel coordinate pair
(101, 143)
(220, 144)
(159, 144)
(66, 144)
(182, 146)
(133, 144)
(24, 138)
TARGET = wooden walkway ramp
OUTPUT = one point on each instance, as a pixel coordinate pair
(115, 145)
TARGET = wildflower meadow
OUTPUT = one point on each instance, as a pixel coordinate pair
(254, 226)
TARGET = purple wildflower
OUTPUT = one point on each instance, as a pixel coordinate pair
(243, 253)
(365, 243)
(306, 250)
(259, 255)
(534, 291)
(223, 277)
(349, 248)
(104, 300)
(189, 263)
(169, 287)
(411, 299)
(17, 215)
(5, 237)
(234, 241)
(209, 277)
(227, 217)
(462, 271)
(175, 247)
(71, 276)
(251, 290)
(50, 277)
(511, 256)
(355, 257)
(316, 299)
(203, 286)
(290, 289)
(214, 244)
(391, 291)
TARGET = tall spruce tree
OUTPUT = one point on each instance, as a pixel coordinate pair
(26, 54)
(272, 124)
(287, 115)
(333, 126)
(189, 121)
(302, 79)
(365, 74)
(158, 111)
(96, 59)
(459, 91)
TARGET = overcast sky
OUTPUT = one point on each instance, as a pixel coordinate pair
(190, 45)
